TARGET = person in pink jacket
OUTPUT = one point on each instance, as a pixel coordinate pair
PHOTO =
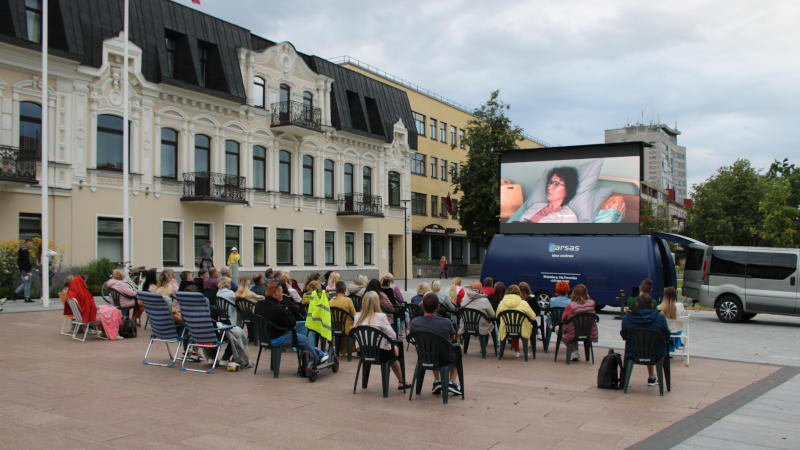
(128, 297)
(581, 303)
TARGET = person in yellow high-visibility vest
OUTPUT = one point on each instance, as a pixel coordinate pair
(318, 318)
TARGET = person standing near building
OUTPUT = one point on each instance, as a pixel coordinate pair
(233, 263)
(207, 256)
(443, 267)
(25, 270)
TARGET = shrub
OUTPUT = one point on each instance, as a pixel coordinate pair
(9, 272)
(97, 272)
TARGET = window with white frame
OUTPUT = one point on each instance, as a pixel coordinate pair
(232, 239)
(109, 238)
(170, 243)
(202, 233)
(258, 92)
(259, 167)
(433, 128)
(367, 248)
(330, 248)
(329, 178)
(308, 175)
(443, 132)
(260, 246)
(350, 248)
(285, 172)
(452, 135)
(434, 168)
(308, 247)
(418, 164)
(169, 153)
(419, 122)
(284, 248)
(232, 158)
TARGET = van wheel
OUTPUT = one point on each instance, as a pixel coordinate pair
(543, 299)
(729, 309)
(748, 316)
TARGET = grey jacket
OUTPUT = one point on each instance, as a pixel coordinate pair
(477, 300)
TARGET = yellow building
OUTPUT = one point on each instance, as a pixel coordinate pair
(441, 151)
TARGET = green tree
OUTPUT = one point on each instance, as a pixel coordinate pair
(779, 228)
(726, 206)
(489, 133)
(653, 218)
(782, 171)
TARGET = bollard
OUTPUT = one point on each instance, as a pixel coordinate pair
(621, 298)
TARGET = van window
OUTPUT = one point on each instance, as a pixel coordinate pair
(728, 263)
(694, 258)
(771, 266)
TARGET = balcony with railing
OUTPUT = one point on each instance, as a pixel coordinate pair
(359, 205)
(210, 187)
(296, 117)
(18, 164)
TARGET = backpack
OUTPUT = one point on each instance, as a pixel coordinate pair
(609, 376)
(127, 328)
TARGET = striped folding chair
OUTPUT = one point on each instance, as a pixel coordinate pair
(67, 321)
(77, 322)
(202, 332)
(162, 326)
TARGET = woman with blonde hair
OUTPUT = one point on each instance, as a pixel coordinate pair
(173, 283)
(372, 316)
(333, 278)
(443, 267)
(672, 309)
(422, 288)
(456, 292)
(245, 292)
(359, 285)
(513, 302)
(581, 303)
(446, 307)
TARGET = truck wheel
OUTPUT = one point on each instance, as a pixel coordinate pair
(543, 299)
(729, 309)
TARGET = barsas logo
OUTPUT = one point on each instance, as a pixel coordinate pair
(553, 247)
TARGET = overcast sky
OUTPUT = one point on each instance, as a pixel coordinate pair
(725, 71)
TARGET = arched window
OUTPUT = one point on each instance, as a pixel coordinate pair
(329, 185)
(202, 153)
(308, 175)
(109, 142)
(259, 167)
(285, 169)
(232, 158)
(258, 92)
(169, 153)
(367, 180)
(30, 127)
(348, 179)
(394, 189)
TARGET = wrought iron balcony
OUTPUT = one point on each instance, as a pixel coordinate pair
(18, 164)
(213, 188)
(291, 113)
(359, 205)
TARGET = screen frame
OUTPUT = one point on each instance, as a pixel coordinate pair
(547, 154)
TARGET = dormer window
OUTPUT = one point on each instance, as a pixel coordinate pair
(171, 46)
(203, 65)
(258, 92)
(33, 19)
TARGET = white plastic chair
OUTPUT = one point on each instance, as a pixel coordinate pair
(77, 322)
(686, 339)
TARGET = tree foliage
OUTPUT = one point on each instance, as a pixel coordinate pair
(489, 133)
(653, 218)
(779, 228)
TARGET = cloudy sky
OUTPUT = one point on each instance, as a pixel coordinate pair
(727, 72)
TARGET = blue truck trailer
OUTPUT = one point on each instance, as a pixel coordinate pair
(606, 264)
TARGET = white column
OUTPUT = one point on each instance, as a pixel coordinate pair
(45, 175)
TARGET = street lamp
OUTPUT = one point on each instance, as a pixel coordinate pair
(405, 257)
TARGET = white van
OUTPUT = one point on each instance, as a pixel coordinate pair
(739, 282)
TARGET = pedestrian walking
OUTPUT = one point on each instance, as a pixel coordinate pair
(443, 267)
(25, 270)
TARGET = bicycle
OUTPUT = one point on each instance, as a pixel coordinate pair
(133, 276)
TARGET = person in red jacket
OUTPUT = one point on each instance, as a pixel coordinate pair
(78, 290)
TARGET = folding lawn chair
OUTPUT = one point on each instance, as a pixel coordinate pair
(202, 331)
(77, 322)
(162, 326)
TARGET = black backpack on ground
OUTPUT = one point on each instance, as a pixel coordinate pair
(609, 376)
(127, 328)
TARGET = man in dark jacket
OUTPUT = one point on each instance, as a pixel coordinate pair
(24, 265)
(432, 323)
(644, 317)
(273, 309)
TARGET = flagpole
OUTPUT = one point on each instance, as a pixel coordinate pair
(126, 238)
(45, 258)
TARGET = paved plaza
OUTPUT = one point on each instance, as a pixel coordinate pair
(61, 393)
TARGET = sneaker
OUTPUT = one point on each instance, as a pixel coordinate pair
(576, 357)
(652, 381)
(324, 357)
(516, 355)
(454, 389)
(27, 300)
(437, 387)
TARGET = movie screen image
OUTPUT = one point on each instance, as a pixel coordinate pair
(571, 190)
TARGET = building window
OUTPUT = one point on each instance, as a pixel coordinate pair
(366, 182)
(232, 239)
(462, 138)
(443, 210)
(308, 106)
(419, 121)
(348, 179)
(350, 248)
(329, 178)
(285, 169)
(171, 45)
(30, 225)
(284, 98)
(170, 243)
(434, 205)
(259, 167)
(453, 171)
(259, 246)
(474, 257)
(418, 164)
(434, 168)
(367, 248)
(109, 142)
(283, 238)
(109, 238)
(308, 247)
(330, 248)
(433, 128)
(203, 64)
(258, 92)
(33, 19)
(394, 189)
(308, 175)
(443, 132)
(418, 204)
(202, 153)
(169, 153)
(455, 208)
(202, 233)
(30, 127)
(232, 158)
(443, 170)
(452, 136)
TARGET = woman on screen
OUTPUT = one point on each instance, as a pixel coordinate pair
(561, 185)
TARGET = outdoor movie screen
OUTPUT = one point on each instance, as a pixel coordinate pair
(588, 189)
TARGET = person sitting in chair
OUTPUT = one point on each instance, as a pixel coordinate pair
(645, 317)
(432, 323)
(128, 298)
